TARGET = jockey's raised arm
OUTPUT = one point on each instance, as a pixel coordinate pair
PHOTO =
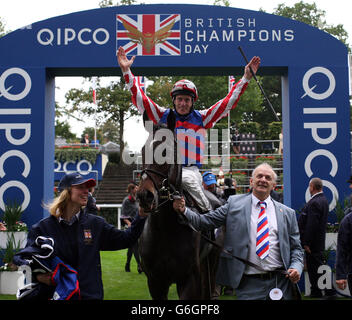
(190, 123)
(139, 98)
(124, 63)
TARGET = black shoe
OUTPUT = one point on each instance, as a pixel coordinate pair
(127, 268)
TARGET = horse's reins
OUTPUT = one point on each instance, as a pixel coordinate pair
(245, 261)
(176, 195)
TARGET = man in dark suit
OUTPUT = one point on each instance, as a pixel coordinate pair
(85, 139)
(273, 269)
(312, 226)
(344, 254)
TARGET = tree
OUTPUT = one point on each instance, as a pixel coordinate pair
(210, 90)
(113, 104)
(160, 90)
(109, 3)
(110, 131)
(106, 3)
(272, 87)
(91, 131)
(310, 14)
(225, 3)
(2, 28)
(113, 101)
(62, 129)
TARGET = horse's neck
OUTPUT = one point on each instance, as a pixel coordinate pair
(164, 218)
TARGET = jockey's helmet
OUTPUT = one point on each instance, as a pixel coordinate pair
(185, 87)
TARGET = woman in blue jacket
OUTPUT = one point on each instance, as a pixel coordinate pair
(79, 237)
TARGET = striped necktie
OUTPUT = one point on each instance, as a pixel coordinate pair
(262, 243)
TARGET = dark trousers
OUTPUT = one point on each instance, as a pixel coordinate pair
(133, 250)
(256, 288)
(349, 281)
(314, 260)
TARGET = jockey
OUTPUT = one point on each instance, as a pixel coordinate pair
(191, 124)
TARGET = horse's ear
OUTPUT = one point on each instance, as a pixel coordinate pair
(171, 120)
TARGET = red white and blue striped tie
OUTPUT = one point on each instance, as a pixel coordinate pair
(262, 243)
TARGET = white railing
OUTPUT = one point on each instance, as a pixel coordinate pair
(118, 207)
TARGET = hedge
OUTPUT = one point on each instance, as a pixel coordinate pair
(65, 154)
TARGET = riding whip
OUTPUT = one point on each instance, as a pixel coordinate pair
(259, 85)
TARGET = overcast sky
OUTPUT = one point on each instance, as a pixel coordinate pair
(19, 13)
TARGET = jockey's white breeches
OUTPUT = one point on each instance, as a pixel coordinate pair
(192, 182)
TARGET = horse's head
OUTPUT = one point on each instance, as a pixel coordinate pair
(161, 175)
(152, 189)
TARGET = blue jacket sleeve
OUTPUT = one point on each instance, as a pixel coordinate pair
(115, 239)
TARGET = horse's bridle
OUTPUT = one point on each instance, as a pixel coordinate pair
(166, 192)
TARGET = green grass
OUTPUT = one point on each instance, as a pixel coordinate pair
(122, 285)
(119, 284)
(7, 297)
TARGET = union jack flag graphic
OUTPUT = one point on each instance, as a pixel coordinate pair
(231, 82)
(149, 34)
(141, 83)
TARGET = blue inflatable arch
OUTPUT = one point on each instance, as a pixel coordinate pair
(200, 40)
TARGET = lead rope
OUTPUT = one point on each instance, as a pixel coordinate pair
(247, 262)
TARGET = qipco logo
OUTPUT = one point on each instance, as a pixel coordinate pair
(320, 91)
(84, 167)
(15, 91)
(85, 36)
(310, 91)
(5, 91)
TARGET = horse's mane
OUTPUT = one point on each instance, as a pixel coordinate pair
(175, 172)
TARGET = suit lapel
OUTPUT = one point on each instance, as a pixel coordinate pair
(280, 227)
(279, 220)
(248, 211)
